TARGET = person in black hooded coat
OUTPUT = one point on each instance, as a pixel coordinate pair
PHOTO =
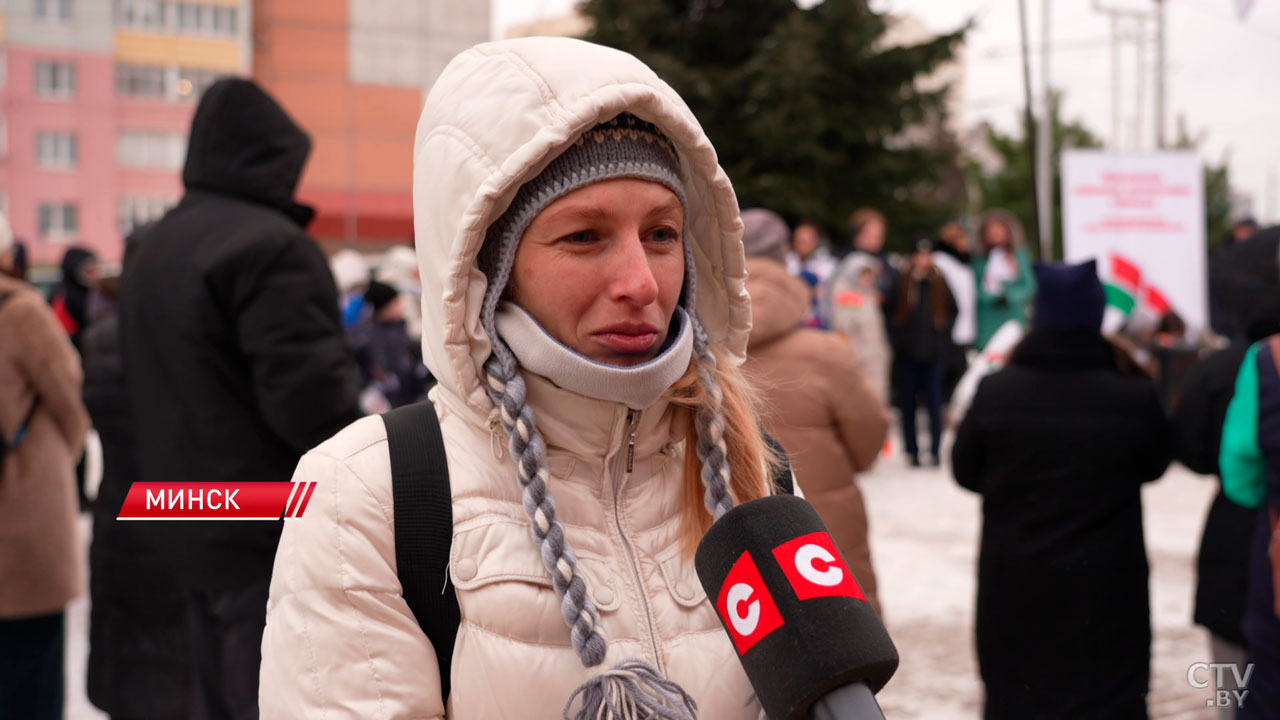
(236, 364)
(1222, 587)
(139, 660)
(1058, 444)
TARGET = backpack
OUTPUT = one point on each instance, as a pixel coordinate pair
(423, 512)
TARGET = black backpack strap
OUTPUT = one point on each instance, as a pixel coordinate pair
(783, 480)
(424, 526)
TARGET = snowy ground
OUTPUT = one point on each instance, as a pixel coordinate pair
(924, 539)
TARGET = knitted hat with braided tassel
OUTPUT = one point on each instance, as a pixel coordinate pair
(624, 147)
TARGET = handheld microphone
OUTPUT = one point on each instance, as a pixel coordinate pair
(810, 642)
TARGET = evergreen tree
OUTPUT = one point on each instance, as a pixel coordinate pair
(812, 116)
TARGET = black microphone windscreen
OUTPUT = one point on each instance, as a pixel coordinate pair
(795, 613)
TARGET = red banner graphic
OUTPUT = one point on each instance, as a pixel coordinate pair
(216, 501)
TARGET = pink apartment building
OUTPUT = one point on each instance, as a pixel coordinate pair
(96, 102)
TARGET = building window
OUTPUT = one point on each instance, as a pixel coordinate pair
(142, 14)
(56, 149)
(157, 81)
(224, 20)
(152, 150)
(192, 83)
(137, 210)
(58, 219)
(188, 17)
(61, 10)
(184, 17)
(55, 79)
(140, 80)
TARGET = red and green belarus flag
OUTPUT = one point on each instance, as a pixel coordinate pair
(1125, 290)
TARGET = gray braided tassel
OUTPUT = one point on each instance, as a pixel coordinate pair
(632, 690)
(710, 425)
(507, 388)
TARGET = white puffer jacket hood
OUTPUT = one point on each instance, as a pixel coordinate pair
(340, 639)
(499, 114)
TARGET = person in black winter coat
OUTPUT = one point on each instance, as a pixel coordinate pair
(921, 312)
(139, 660)
(1058, 444)
(236, 365)
(1223, 566)
(390, 361)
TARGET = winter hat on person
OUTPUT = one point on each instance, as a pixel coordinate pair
(380, 295)
(624, 147)
(765, 234)
(1070, 297)
(350, 270)
(1253, 291)
(398, 266)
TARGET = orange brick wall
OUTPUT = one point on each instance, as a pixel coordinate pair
(362, 134)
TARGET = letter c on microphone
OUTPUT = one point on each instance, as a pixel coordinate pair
(749, 610)
(813, 567)
(746, 624)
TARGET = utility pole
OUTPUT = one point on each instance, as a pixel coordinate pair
(1140, 92)
(1115, 82)
(1271, 196)
(1160, 138)
(1028, 117)
(1118, 36)
(1044, 145)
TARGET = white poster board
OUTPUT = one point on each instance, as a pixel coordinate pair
(1141, 216)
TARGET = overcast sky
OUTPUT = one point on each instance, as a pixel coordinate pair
(1217, 67)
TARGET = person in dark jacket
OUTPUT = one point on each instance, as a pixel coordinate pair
(1058, 444)
(1223, 566)
(1249, 462)
(1224, 316)
(390, 361)
(139, 660)
(70, 297)
(921, 311)
(236, 364)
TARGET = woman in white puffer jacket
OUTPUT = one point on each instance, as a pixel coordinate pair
(581, 261)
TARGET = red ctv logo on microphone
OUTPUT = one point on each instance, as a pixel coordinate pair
(746, 605)
(814, 568)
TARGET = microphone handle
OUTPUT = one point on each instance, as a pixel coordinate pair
(850, 702)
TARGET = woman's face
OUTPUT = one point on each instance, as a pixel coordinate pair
(805, 240)
(997, 235)
(870, 237)
(601, 269)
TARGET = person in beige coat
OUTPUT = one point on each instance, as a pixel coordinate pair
(819, 404)
(43, 421)
(585, 313)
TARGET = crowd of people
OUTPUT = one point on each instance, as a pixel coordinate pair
(600, 329)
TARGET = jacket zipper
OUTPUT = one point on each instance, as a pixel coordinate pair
(633, 422)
